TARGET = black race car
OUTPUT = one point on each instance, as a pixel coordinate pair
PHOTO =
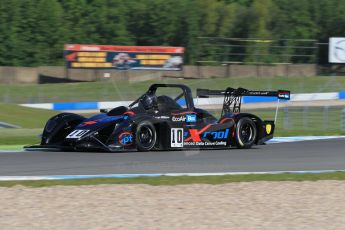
(156, 121)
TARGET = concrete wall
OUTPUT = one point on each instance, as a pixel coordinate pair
(12, 75)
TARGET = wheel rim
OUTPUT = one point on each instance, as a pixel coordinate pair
(247, 133)
(146, 136)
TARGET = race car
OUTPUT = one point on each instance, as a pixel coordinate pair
(159, 121)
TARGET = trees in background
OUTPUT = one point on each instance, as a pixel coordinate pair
(32, 32)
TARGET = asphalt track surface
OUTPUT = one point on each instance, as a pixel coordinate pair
(296, 156)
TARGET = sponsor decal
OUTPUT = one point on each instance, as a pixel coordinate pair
(191, 117)
(176, 137)
(284, 95)
(200, 137)
(162, 117)
(178, 118)
(217, 135)
(195, 134)
(268, 128)
(215, 143)
(184, 118)
(126, 138)
(78, 133)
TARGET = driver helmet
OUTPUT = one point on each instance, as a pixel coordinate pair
(148, 101)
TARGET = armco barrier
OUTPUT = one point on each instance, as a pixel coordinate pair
(197, 101)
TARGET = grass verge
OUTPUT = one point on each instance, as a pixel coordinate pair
(23, 116)
(307, 121)
(123, 90)
(11, 147)
(167, 180)
(10, 137)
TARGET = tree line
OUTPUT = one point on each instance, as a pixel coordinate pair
(33, 32)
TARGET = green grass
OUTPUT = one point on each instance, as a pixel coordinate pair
(19, 136)
(30, 120)
(122, 90)
(11, 147)
(23, 116)
(166, 180)
(310, 121)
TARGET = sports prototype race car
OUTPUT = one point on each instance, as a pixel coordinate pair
(156, 121)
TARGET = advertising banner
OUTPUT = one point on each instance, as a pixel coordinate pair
(336, 50)
(81, 56)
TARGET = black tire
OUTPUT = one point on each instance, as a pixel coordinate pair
(246, 133)
(145, 136)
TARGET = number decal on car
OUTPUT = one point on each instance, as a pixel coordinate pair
(78, 133)
(176, 137)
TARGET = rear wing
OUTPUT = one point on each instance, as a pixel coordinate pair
(280, 94)
(233, 97)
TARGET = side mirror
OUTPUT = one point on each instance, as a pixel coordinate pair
(104, 110)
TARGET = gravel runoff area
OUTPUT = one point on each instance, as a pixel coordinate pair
(245, 205)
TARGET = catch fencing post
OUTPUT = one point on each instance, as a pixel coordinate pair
(276, 115)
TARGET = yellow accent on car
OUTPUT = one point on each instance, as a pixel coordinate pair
(268, 128)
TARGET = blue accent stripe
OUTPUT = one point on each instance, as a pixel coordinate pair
(256, 99)
(75, 105)
(181, 102)
(118, 176)
(341, 95)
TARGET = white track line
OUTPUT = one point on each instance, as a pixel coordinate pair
(118, 176)
(301, 138)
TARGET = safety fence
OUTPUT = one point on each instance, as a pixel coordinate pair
(307, 119)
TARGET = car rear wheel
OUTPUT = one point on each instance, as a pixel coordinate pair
(246, 133)
(145, 136)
